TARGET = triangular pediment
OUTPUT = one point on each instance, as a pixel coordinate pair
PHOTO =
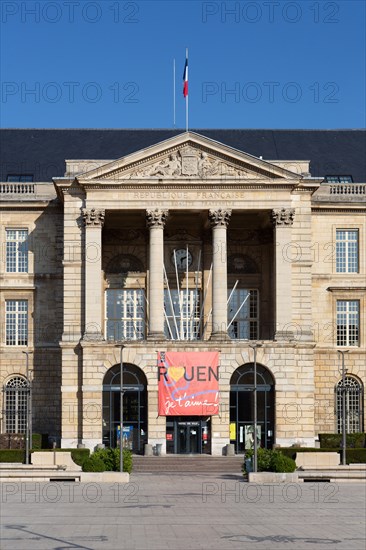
(188, 156)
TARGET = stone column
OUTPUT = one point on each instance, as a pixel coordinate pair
(155, 221)
(219, 221)
(282, 221)
(94, 220)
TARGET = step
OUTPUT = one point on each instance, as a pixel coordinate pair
(179, 463)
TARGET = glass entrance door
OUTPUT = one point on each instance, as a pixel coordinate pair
(188, 435)
(134, 408)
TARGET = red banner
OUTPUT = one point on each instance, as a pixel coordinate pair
(188, 383)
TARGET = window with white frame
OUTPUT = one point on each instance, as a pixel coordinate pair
(348, 322)
(347, 251)
(17, 250)
(16, 322)
(243, 317)
(125, 314)
(16, 401)
(352, 392)
(182, 314)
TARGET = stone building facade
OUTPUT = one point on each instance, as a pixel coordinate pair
(184, 244)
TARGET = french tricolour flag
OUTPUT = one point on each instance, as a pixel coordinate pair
(185, 78)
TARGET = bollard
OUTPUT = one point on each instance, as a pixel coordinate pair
(148, 450)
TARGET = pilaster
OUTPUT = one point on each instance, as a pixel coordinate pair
(283, 220)
(93, 220)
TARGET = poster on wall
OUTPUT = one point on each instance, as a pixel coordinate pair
(249, 436)
(188, 383)
(127, 436)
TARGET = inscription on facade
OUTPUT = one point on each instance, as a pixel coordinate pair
(186, 195)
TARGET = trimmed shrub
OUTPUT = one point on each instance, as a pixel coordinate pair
(93, 464)
(107, 457)
(127, 460)
(12, 455)
(272, 461)
(355, 456)
(110, 457)
(36, 442)
(334, 441)
(282, 463)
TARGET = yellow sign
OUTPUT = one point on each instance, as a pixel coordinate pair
(232, 431)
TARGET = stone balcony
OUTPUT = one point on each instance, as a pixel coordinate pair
(340, 193)
(27, 191)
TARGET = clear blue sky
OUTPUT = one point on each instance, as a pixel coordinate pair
(74, 63)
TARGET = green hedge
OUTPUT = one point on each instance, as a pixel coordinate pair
(272, 461)
(12, 455)
(39, 442)
(110, 459)
(356, 456)
(334, 441)
(94, 464)
(353, 456)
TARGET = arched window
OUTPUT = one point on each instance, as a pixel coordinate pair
(353, 392)
(134, 407)
(16, 398)
(242, 407)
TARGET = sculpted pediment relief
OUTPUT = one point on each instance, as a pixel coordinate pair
(184, 162)
(187, 156)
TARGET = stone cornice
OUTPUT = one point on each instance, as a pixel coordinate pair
(29, 205)
(346, 288)
(187, 184)
(338, 208)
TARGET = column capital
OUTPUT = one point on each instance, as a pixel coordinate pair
(156, 218)
(93, 217)
(283, 217)
(219, 217)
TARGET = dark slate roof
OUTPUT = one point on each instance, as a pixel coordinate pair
(43, 152)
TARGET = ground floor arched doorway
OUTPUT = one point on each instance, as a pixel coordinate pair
(134, 407)
(242, 408)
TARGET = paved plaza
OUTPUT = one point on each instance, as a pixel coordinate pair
(182, 512)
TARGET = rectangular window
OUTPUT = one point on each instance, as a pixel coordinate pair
(347, 251)
(243, 317)
(125, 314)
(17, 251)
(348, 322)
(338, 179)
(182, 314)
(19, 178)
(16, 312)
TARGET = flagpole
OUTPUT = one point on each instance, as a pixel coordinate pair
(187, 94)
(174, 93)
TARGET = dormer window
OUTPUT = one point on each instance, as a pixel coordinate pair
(19, 178)
(338, 179)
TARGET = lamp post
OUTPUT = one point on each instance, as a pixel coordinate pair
(28, 413)
(121, 346)
(255, 412)
(344, 432)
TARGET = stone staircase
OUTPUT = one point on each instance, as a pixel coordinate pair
(188, 463)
